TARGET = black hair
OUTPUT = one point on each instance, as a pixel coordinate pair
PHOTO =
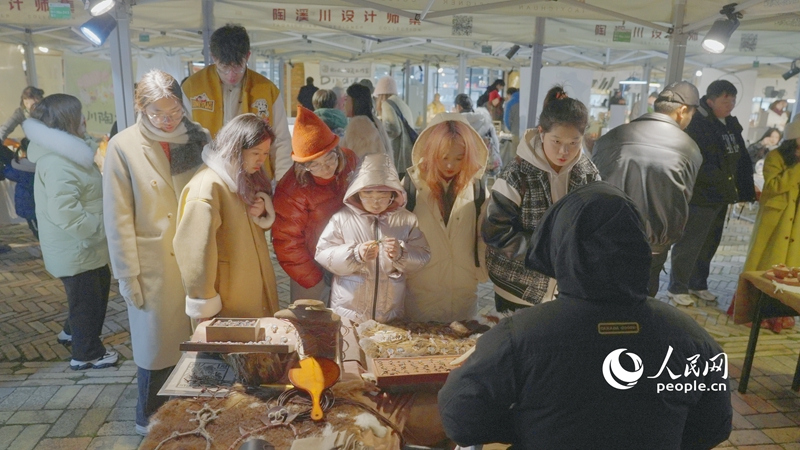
(769, 132)
(558, 109)
(464, 102)
(788, 150)
(310, 80)
(362, 100)
(23, 147)
(498, 82)
(230, 44)
(512, 90)
(719, 88)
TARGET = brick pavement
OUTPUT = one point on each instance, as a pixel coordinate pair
(45, 405)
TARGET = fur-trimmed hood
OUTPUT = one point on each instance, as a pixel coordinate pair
(222, 167)
(45, 140)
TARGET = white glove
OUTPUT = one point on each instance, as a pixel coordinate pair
(131, 291)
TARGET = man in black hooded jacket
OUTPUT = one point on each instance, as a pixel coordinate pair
(603, 366)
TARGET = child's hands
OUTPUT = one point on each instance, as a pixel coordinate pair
(392, 248)
(258, 209)
(368, 251)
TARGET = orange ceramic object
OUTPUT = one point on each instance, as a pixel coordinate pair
(314, 376)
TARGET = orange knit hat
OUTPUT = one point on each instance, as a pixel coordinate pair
(311, 138)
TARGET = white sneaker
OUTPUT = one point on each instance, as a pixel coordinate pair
(681, 299)
(141, 431)
(64, 338)
(107, 360)
(705, 294)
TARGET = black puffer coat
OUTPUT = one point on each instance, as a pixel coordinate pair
(538, 380)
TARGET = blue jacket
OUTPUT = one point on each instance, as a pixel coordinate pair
(514, 100)
(22, 173)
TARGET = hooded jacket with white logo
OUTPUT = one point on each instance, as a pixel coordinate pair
(726, 175)
(538, 384)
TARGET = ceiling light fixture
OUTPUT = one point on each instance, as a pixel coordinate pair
(717, 38)
(512, 51)
(100, 7)
(97, 29)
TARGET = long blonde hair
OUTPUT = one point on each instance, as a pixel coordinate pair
(439, 140)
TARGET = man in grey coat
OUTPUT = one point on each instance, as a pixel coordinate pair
(655, 162)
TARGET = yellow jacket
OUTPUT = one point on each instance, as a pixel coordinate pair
(776, 235)
(203, 98)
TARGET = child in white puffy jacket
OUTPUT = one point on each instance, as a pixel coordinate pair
(371, 244)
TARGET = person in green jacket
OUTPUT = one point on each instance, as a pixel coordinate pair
(69, 207)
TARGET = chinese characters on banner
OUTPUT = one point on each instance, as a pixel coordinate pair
(342, 74)
(90, 81)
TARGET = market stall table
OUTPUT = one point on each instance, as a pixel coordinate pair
(758, 298)
(237, 414)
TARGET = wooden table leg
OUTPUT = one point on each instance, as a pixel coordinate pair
(751, 346)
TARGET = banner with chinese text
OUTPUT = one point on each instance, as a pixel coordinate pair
(90, 80)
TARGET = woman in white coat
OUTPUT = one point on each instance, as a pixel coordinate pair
(449, 158)
(146, 167)
(364, 133)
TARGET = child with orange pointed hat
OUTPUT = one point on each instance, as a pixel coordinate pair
(305, 199)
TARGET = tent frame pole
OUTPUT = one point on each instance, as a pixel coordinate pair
(30, 59)
(426, 84)
(646, 73)
(122, 67)
(462, 73)
(208, 29)
(677, 46)
(536, 71)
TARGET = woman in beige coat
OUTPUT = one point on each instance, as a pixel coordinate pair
(146, 167)
(224, 211)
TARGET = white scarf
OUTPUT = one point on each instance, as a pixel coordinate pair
(177, 136)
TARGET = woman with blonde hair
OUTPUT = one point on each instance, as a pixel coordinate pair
(305, 199)
(445, 192)
(146, 167)
(224, 211)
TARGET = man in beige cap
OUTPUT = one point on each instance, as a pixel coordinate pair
(656, 164)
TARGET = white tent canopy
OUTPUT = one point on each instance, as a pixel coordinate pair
(577, 33)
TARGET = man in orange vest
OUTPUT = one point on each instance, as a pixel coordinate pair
(218, 93)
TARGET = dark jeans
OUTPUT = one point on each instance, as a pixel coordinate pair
(656, 266)
(149, 383)
(692, 255)
(87, 297)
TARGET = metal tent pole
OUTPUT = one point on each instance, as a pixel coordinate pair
(122, 67)
(30, 59)
(536, 71)
(208, 29)
(462, 73)
(677, 46)
(426, 84)
(646, 72)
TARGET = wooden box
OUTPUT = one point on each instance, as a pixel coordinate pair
(233, 330)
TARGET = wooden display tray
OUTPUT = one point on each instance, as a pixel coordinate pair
(280, 334)
(411, 370)
(789, 281)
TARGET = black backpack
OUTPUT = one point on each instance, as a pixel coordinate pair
(412, 134)
(483, 99)
(480, 198)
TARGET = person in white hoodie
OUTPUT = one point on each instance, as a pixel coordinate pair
(372, 244)
(481, 121)
(549, 164)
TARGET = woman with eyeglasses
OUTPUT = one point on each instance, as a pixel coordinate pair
(147, 166)
(224, 211)
(305, 200)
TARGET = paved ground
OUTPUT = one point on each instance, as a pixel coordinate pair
(45, 405)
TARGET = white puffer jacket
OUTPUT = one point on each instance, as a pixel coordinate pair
(365, 290)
